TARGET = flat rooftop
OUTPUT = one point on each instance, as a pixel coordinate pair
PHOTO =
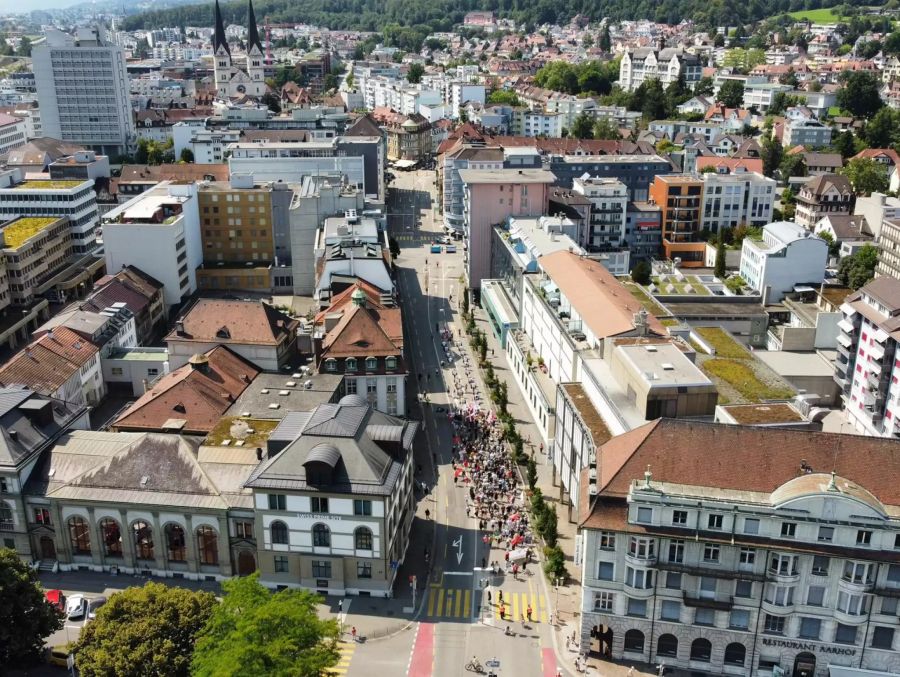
(22, 229)
(48, 184)
(614, 159)
(759, 414)
(506, 176)
(663, 365)
(266, 390)
(142, 354)
(588, 413)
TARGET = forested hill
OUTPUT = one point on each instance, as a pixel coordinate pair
(439, 15)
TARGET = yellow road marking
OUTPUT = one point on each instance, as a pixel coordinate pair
(440, 603)
(468, 603)
(431, 595)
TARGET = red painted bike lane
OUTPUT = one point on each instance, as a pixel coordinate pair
(551, 667)
(421, 663)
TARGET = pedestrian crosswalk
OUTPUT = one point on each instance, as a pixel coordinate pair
(410, 238)
(346, 650)
(450, 602)
(515, 606)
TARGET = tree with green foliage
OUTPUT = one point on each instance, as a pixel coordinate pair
(834, 247)
(415, 73)
(26, 617)
(641, 272)
(582, 127)
(792, 165)
(891, 43)
(187, 155)
(271, 101)
(604, 128)
(772, 153)
(731, 93)
(720, 259)
(149, 630)
(781, 101)
(531, 473)
(882, 130)
(605, 43)
(254, 631)
(859, 93)
(845, 143)
(858, 269)
(866, 175)
(24, 46)
(704, 86)
(504, 97)
(650, 99)
(555, 563)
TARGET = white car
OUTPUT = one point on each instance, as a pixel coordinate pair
(76, 607)
(446, 240)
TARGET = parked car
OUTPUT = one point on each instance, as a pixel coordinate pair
(447, 239)
(93, 605)
(56, 598)
(59, 655)
(450, 249)
(435, 249)
(76, 607)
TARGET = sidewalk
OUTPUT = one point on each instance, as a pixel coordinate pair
(566, 599)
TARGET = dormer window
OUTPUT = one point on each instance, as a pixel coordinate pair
(330, 364)
(350, 364)
(371, 363)
(223, 333)
(390, 363)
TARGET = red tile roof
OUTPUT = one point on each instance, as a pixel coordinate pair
(731, 164)
(225, 321)
(46, 364)
(875, 153)
(366, 331)
(198, 395)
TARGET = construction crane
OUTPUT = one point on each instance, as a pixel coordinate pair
(268, 43)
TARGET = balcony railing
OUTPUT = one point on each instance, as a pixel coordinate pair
(718, 603)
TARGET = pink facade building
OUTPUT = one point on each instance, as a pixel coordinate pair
(490, 197)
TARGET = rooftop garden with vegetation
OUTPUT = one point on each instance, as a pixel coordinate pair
(238, 428)
(21, 230)
(48, 184)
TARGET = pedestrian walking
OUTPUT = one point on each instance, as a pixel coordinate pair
(353, 633)
(489, 597)
(528, 612)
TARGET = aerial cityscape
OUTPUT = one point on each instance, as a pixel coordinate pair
(444, 339)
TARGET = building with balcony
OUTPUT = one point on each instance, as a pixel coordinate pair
(809, 133)
(787, 255)
(450, 183)
(866, 368)
(34, 250)
(730, 200)
(741, 550)
(889, 249)
(637, 172)
(72, 198)
(680, 200)
(158, 232)
(609, 203)
(823, 196)
(666, 65)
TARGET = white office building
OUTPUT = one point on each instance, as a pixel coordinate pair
(609, 202)
(82, 88)
(158, 232)
(732, 199)
(786, 256)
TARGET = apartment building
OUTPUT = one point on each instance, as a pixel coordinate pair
(889, 250)
(237, 231)
(489, 198)
(741, 550)
(333, 503)
(462, 156)
(787, 255)
(666, 65)
(82, 88)
(71, 198)
(34, 250)
(643, 230)
(13, 132)
(730, 200)
(528, 122)
(809, 133)
(208, 146)
(637, 172)
(680, 200)
(866, 368)
(609, 203)
(823, 196)
(158, 232)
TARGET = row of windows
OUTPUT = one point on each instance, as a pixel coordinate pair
(751, 526)
(362, 536)
(319, 504)
(321, 569)
(352, 364)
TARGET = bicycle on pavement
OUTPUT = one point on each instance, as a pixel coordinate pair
(475, 666)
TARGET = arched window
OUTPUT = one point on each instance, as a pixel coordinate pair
(175, 545)
(667, 646)
(634, 641)
(79, 536)
(701, 650)
(112, 537)
(279, 532)
(363, 538)
(143, 540)
(321, 536)
(735, 653)
(208, 545)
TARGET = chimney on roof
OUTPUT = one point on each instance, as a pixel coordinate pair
(179, 327)
(259, 453)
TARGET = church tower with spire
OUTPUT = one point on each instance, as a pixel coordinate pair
(231, 81)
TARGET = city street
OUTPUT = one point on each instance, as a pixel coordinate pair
(456, 623)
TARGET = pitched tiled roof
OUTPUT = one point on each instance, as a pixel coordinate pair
(172, 172)
(879, 152)
(362, 332)
(732, 164)
(198, 395)
(604, 304)
(226, 321)
(740, 458)
(340, 302)
(47, 363)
